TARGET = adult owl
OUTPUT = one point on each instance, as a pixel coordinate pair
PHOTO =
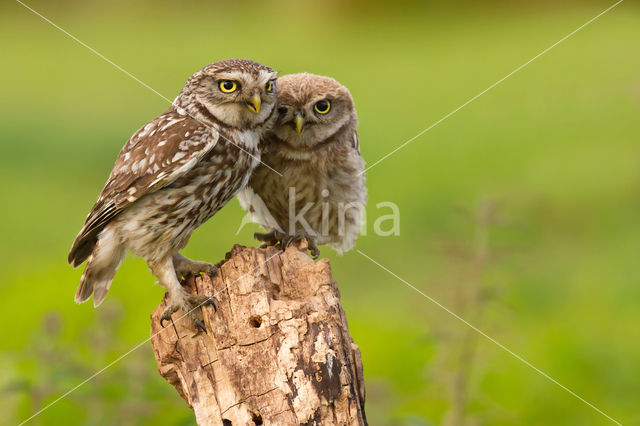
(321, 194)
(174, 174)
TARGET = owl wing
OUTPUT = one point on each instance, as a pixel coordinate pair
(154, 157)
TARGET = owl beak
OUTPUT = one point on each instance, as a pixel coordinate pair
(299, 123)
(254, 103)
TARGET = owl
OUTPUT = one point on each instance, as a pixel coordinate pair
(321, 194)
(172, 176)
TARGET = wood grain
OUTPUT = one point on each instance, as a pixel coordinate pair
(276, 352)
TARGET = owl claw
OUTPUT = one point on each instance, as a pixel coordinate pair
(274, 238)
(270, 238)
(166, 314)
(210, 302)
(192, 306)
(290, 239)
(200, 324)
(315, 251)
(186, 267)
(162, 320)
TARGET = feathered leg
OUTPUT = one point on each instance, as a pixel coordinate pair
(190, 305)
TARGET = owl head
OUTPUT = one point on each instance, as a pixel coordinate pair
(239, 93)
(311, 109)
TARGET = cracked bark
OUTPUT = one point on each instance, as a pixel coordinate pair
(277, 351)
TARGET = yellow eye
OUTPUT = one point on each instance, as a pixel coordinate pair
(322, 107)
(228, 86)
(269, 87)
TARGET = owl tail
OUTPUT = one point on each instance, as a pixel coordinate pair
(104, 261)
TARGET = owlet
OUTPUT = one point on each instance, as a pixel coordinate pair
(321, 194)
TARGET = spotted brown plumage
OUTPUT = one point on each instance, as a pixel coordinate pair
(314, 144)
(173, 175)
(177, 143)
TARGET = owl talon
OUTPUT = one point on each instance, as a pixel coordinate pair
(270, 238)
(186, 267)
(315, 251)
(290, 239)
(274, 238)
(200, 324)
(166, 314)
(312, 247)
(198, 302)
(210, 302)
(191, 305)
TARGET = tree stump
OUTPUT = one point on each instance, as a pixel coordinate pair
(277, 351)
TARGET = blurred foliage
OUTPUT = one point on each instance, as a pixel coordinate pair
(555, 147)
(46, 367)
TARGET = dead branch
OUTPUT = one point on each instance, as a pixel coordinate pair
(277, 351)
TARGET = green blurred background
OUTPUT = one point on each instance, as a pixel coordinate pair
(520, 212)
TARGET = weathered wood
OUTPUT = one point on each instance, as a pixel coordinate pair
(277, 351)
